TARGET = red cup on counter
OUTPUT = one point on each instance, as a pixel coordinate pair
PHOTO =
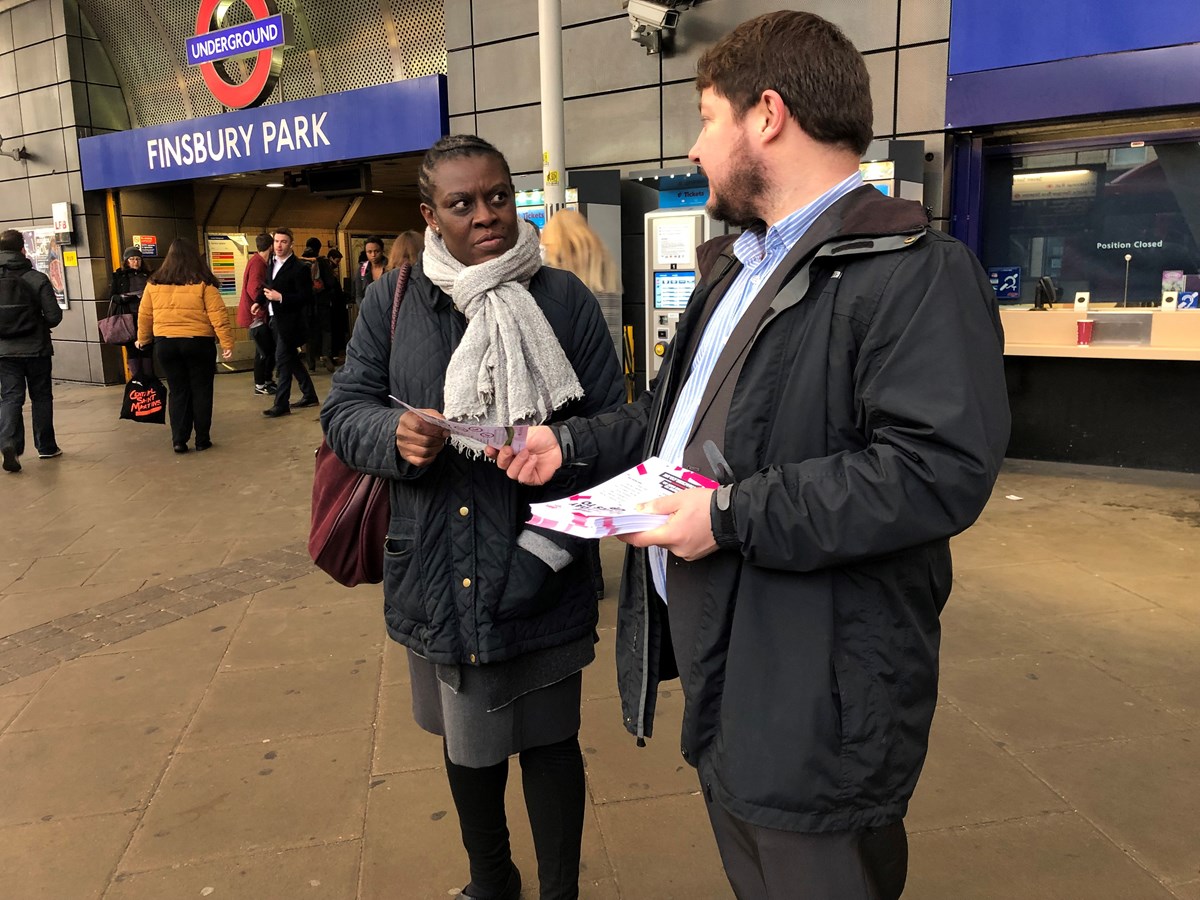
(1083, 331)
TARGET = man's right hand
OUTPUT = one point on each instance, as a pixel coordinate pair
(418, 441)
(537, 463)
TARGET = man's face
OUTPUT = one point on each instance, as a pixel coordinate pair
(283, 245)
(374, 253)
(736, 181)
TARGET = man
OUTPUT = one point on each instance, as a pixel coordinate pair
(339, 317)
(28, 310)
(253, 282)
(371, 268)
(319, 310)
(839, 371)
(287, 295)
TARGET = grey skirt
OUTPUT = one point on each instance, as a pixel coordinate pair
(461, 707)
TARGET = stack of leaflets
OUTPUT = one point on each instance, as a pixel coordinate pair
(611, 508)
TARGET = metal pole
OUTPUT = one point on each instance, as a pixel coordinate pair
(554, 172)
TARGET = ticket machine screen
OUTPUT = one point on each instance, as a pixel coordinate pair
(673, 289)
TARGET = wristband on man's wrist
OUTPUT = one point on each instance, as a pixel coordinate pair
(724, 525)
(566, 442)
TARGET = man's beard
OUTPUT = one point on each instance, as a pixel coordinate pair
(739, 200)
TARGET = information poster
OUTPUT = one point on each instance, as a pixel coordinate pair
(227, 257)
(42, 249)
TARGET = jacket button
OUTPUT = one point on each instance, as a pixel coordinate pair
(466, 582)
(462, 510)
(472, 657)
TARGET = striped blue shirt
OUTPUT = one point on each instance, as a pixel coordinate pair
(759, 256)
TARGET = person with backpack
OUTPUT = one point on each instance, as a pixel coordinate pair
(316, 350)
(28, 310)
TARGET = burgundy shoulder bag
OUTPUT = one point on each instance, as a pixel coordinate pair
(350, 509)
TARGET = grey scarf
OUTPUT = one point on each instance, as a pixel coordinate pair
(509, 368)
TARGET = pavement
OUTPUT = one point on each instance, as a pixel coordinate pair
(189, 709)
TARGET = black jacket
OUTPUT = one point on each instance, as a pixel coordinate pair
(457, 588)
(38, 343)
(864, 415)
(294, 281)
(128, 281)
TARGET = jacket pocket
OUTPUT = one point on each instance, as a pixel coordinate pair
(866, 722)
(531, 588)
(402, 577)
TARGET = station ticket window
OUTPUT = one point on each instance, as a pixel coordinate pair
(1115, 219)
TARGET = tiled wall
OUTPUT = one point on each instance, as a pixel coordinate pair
(56, 85)
(628, 110)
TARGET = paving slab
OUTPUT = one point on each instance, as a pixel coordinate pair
(1051, 699)
(43, 861)
(969, 780)
(400, 745)
(277, 637)
(618, 769)
(1044, 858)
(87, 770)
(663, 847)
(253, 705)
(325, 872)
(1142, 793)
(231, 801)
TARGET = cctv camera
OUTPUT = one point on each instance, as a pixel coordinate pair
(654, 15)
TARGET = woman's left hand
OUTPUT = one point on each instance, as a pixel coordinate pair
(226, 354)
(141, 345)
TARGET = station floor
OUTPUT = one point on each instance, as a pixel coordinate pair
(189, 709)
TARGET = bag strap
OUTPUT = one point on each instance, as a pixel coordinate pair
(398, 295)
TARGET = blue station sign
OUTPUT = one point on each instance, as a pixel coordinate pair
(241, 40)
(299, 133)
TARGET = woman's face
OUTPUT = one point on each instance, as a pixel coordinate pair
(473, 208)
(134, 262)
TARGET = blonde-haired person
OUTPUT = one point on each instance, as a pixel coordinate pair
(183, 314)
(571, 244)
(406, 248)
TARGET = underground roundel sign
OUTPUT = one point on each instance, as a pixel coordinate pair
(260, 41)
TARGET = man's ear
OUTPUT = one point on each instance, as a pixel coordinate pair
(773, 114)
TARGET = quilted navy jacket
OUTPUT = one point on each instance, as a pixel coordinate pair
(457, 588)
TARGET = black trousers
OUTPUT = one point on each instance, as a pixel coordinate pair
(17, 373)
(769, 864)
(189, 365)
(288, 365)
(553, 781)
(264, 352)
(317, 345)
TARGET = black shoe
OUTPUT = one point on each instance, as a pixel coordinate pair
(180, 448)
(202, 445)
(11, 463)
(307, 401)
(274, 412)
(512, 890)
(271, 387)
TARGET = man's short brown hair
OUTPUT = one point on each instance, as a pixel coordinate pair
(11, 240)
(819, 74)
(286, 231)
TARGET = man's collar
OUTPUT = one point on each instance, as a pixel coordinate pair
(751, 247)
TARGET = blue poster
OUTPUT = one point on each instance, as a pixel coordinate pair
(1006, 282)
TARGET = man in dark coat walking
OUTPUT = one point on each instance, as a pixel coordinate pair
(288, 294)
(839, 370)
(28, 310)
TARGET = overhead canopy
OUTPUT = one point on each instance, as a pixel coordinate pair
(404, 117)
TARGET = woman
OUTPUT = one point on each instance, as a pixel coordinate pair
(371, 267)
(571, 244)
(498, 618)
(183, 314)
(125, 291)
(406, 248)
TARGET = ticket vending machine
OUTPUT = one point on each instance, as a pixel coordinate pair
(672, 236)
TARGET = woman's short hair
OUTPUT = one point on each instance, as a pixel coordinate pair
(184, 265)
(820, 75)
(406, 248)
(373, 239)
(571, 244)
(453, 146)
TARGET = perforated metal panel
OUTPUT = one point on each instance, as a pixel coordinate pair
(421, 28)
(335, 47)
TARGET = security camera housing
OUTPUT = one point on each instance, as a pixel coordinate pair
(655, 15)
